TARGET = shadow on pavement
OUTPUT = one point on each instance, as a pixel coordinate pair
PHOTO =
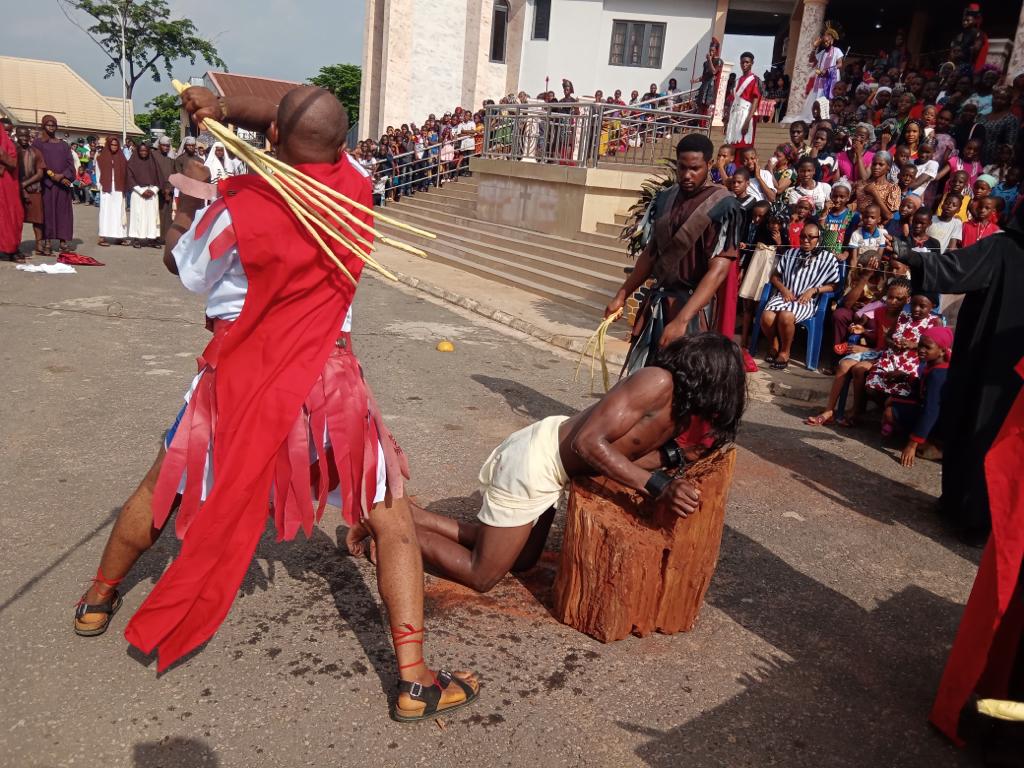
(855, 691)
(174, 752)
(27, 587)
(846, 482)
(524, 400)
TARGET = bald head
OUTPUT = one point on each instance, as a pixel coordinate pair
(311, 126)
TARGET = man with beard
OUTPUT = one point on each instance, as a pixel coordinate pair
(165, 163)
(61, 171)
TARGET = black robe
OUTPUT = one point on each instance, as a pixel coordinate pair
(982, 383)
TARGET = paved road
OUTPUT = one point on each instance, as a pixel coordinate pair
(821, 642)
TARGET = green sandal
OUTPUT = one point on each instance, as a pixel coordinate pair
(430, 695)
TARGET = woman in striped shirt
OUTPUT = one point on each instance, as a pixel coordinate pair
(801, 275)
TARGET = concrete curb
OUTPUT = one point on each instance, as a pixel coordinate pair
(575, 344)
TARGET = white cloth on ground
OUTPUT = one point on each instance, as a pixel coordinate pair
(523, 477)
(48, 269)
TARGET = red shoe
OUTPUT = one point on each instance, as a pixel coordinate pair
(748, 362)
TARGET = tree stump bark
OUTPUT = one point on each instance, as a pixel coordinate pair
(629, 565)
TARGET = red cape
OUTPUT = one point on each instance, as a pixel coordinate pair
(985, 647)
(12, 211)
(266, 366)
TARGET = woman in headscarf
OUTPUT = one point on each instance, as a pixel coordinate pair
(216, 161)
(112, 179)
(144, 181)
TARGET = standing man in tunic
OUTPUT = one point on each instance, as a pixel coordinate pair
(165, 162)
(747, 97)
(11, 211)
(695, 228)
(31, 169)
(61, 171)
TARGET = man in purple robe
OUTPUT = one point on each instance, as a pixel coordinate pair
(61, 171)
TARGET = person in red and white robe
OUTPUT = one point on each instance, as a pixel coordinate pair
(742, 125)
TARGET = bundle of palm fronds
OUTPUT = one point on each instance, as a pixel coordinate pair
(637, 230)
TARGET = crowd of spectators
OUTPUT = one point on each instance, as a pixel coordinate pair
(929, 157)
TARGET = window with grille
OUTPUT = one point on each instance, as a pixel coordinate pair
(637, 44)
(541, 19)
(499, 28)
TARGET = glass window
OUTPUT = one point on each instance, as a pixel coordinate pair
(541, 19)
(499, 26)
(637, 44)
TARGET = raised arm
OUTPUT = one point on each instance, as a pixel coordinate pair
(253, 113)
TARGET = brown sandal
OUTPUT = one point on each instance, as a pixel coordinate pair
(106, 610)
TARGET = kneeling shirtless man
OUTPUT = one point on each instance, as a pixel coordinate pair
(688, 401)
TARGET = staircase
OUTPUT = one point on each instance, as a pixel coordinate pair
(582, 273)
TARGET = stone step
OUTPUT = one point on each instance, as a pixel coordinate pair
(574, 256)
(452, 192)
(438, 205)
(584, 296)
(608, 228)
(605, 249)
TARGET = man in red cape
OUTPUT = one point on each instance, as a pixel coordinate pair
(12, 212)
(277, 385)
(988, 654)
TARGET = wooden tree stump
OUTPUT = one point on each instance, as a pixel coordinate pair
(629, 565)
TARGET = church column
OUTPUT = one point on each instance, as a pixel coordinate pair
(810, 28)
(1017, 57)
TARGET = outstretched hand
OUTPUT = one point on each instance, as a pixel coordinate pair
(201, 103)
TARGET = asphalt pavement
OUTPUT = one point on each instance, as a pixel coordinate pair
(821, 643)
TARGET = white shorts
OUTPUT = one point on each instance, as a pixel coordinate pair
(523, 477)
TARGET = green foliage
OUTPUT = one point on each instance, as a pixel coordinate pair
(637, 228)
(165, 108)
(343, 81)
(152, 38)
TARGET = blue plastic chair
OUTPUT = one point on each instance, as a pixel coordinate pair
(815, 326)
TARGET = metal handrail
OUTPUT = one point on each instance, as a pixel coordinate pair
(408, 170)
(583, 134)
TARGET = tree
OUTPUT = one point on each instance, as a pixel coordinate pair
(151, 37)
(165, 108)
(343, 81)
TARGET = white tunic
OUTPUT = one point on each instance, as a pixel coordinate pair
(112, 214)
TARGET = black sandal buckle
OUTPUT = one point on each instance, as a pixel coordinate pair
(416, 690)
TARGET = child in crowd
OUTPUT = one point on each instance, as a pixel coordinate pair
(798, 138)
(869, 280)
(724, 165)
(918, 414)
(895, 373)
(838, 220)
(900, 158)
(762, 182)
(926, 170)
(958, 186)
(899, 225)
(781, 165)
(967, 161)
(1003, 162)
(821, 151)
(983, 186)
(858, 360)
(947, 229)
(759, 251)
(1008, 190)
(739, 185)
(982, 222)
(817, 192)
(917, 236)
(869, 236)
(799, 214)
(905, 179)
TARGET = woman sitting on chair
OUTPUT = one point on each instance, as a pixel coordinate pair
(801, 275)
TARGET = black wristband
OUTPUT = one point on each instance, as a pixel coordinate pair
(657, 484)
(672, 455)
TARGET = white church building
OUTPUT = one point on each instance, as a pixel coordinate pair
(429, 56)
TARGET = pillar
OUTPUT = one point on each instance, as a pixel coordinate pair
(1016, 63)
(792, 39)
(810, 27)
(915, 37)
(720, 118)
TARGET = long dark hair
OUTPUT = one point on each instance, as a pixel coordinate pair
(709, 381)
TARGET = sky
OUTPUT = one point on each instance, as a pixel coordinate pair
(287, 39)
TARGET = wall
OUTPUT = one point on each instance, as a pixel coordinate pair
(580, 43)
